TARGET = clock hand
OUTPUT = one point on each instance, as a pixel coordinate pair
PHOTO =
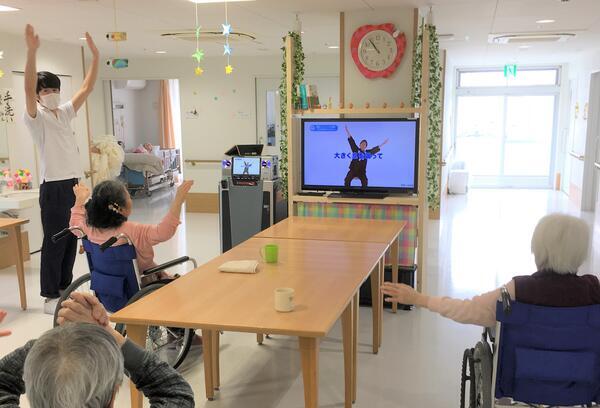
(373, 44)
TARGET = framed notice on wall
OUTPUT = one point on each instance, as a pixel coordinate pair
(7, 111)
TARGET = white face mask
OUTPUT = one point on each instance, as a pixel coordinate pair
(50, 101)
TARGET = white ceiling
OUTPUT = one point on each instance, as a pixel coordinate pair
(469, 20)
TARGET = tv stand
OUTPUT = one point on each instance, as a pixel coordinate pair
(359, 194)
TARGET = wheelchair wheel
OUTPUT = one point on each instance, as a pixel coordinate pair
(170, 344)
(482, 358)
(467, 374)
(81, 284)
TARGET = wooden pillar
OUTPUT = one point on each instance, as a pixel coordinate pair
(423, 136)
(342, 56)
(289, 80)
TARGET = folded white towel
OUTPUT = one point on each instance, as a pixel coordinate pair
(239, 267)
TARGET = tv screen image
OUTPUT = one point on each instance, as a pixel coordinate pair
(246, 166)
(360, 154)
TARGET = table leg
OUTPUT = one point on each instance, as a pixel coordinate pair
(216, 361)
(348, 341)
(18, 240)
(375, 301)
(136, 334)
(381, 279)
(309, 353)
(208, 344)
(395, 254)
(260, 338)
(355, 306)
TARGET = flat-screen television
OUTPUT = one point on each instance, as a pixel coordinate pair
(360, 155)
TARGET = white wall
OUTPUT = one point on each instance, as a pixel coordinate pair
(139, 115)
(62, 59)
(226, 104)
(396, 88)
(580, 72)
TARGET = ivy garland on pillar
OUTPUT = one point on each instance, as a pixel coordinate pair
(434, 134)
(298, 77)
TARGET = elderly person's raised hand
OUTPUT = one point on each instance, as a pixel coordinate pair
(4, 333)
(401, 293)
(83, 308)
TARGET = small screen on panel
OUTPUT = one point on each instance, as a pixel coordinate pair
(246, 166)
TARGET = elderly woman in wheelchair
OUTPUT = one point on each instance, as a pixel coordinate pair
(544, 328)
(121, 258)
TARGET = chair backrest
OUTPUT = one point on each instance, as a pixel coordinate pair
(113, 273)
(548, 355)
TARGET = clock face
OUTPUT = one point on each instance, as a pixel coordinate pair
(377, 50)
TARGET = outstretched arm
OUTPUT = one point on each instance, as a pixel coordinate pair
(479, 310)
(33, 43)
(90, 78)
(351, 141)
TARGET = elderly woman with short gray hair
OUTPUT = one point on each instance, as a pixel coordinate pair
(560, 246)
(82, 365)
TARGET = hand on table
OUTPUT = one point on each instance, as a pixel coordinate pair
(401, 293)
(4, 333)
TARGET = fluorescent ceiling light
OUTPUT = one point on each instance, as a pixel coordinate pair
(82, 38)
(160, 52)
(545, 21)
(333, 47)
(217, 1)
(524, 47)
(7, 8)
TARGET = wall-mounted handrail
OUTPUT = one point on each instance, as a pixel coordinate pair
(201, 161)
(577, 156)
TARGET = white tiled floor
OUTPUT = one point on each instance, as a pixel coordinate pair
(481, 242)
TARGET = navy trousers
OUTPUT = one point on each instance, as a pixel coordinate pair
(56, 271)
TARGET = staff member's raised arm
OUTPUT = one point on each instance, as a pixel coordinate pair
(33, 43)
(90, 78)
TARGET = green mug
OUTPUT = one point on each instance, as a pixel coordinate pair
(270, 253)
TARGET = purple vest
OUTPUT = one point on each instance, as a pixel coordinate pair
(547, 288)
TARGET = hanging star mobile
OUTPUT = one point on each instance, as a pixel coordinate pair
(226, 46)
(226, 27)
(198, 55)
(1, 54)
(1, 73)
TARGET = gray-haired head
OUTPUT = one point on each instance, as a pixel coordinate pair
(560, 243)
(76, 365)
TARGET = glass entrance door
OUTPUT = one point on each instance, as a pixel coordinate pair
(507, 140)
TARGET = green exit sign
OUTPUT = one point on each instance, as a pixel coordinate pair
(510, 70)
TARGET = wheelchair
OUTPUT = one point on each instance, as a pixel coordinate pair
(539, 356)
(115, 280)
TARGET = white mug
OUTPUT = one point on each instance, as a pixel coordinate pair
(284, 299)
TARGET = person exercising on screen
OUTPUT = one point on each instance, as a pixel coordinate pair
(247, 168)
(358, 165)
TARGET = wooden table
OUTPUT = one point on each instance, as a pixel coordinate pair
(348, 230)
(13, 227)
(326, 276)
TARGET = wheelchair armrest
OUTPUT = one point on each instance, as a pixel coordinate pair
(169, 264)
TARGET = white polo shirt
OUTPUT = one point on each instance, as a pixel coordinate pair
(56, 141)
